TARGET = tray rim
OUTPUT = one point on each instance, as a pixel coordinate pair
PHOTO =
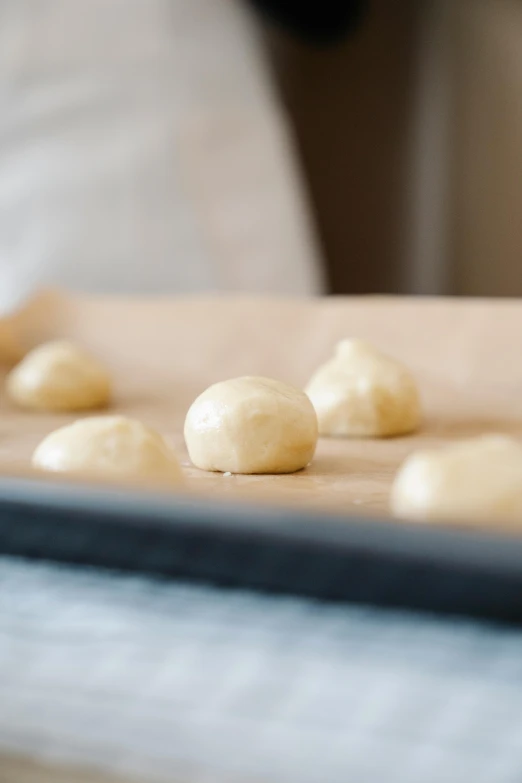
(52, 511)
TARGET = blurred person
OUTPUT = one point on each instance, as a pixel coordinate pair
(142, 149)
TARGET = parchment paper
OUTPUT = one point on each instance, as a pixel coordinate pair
(465, 354)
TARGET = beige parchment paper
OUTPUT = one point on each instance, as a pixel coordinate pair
(465, 354)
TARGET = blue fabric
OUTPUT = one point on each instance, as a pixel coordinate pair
(166, 680)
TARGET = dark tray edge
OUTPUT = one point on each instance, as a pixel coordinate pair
(308, 553)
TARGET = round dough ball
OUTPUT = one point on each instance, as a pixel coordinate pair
(59, 376)
(251, 425)
(361, 392)
(478, 479)
(109, 447)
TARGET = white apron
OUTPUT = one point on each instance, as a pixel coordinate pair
(142, 150)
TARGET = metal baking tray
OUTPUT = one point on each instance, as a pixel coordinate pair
(282, 550)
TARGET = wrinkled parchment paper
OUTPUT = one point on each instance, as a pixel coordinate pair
(465, 355)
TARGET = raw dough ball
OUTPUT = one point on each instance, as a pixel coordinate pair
(472, 480)
(59, 376)
(251, 425)
(361, 392)
(108, 446)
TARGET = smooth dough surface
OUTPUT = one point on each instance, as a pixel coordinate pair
(475, 479)
(59, 376)
(361, 392)
(108, 446)
(251, 425)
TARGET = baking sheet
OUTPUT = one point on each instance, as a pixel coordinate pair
(162, 352)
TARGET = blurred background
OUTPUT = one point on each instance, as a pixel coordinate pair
(410, 136)
(255, 145)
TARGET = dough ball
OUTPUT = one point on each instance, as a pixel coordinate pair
(59, 376)
(478, 479)
(251, 425)
(108, 446)
(361, 392)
